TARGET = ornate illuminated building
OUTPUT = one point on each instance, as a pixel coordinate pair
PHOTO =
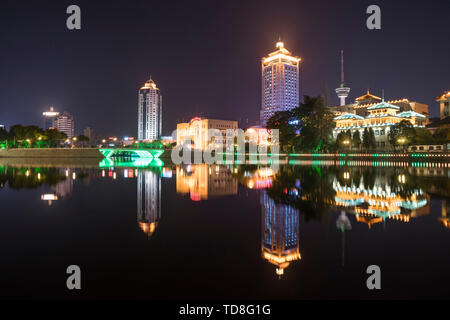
(362, 104)
(149, 112)
(280, 82)
(203, 181)
(380, 117)
(280, 230)
(196, 132)
(374, 205)
(148, 200)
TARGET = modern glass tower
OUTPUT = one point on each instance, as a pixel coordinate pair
(280, 87)
(149, 112)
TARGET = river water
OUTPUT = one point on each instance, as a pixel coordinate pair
(306, 231)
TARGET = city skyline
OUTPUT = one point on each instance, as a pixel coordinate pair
(194, 83)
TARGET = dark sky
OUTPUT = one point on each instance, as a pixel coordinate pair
(205, 56)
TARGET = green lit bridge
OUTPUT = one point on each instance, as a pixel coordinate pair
(131, 153)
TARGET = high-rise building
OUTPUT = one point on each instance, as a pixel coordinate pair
(64, 123)
(280, 84)
(343, 91)
(49, 118)
(149, 112)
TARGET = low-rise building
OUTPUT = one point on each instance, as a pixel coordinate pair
(381, 117)
(196, 132)
(444, 104)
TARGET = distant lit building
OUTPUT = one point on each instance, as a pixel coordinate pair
(195, 132)
(148, 200)
(49, 118)
(280, 230)
(149, 112)
(444, 104)
(380, 118)
(65, 123)
(280, 82)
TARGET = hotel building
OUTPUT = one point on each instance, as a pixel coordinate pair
(196, 132)
(280, 82)
(65, 123)
(380, 117)
(149, 112)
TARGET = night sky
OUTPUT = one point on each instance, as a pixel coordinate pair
(205, 56)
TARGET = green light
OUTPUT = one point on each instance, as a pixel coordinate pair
(141, 153)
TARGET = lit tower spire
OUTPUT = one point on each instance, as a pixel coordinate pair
(342, 91)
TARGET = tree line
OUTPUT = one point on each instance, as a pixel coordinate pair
(33, 136)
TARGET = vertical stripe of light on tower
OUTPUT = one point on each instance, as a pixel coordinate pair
(280, 84)
(149, 112)
(343, 91)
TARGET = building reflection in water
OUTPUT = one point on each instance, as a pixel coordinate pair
(204, 181)
(445, 218)
(280, 243)
(343, 223)
(148, 200)
(63, 189)
(381, 202)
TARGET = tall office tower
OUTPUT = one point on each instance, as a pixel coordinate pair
(343, 91)
(64, 123)
(280, 71)
(149, 112)
(148, 200)
(280, 243)
(49, 118)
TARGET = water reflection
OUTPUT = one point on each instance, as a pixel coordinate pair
(202, 181)
(148, 201)
(345, 195)
(280, 227)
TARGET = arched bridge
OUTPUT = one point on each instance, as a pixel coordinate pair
(132, 153)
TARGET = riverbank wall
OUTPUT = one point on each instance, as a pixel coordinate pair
(52, 153)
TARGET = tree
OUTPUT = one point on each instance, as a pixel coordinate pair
(283, 121)
(356, 140)
(54, 137)
(82, 138)
(343, 139)
(402, 133)
(442, 135)
(423, 136)
(372, 141)
(366, 139)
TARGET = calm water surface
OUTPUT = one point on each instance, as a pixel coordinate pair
(152, 231)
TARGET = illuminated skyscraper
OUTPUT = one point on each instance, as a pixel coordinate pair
(64, 123)
(280, 84)
(280, 243)
(149, 112)
(148, 200)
